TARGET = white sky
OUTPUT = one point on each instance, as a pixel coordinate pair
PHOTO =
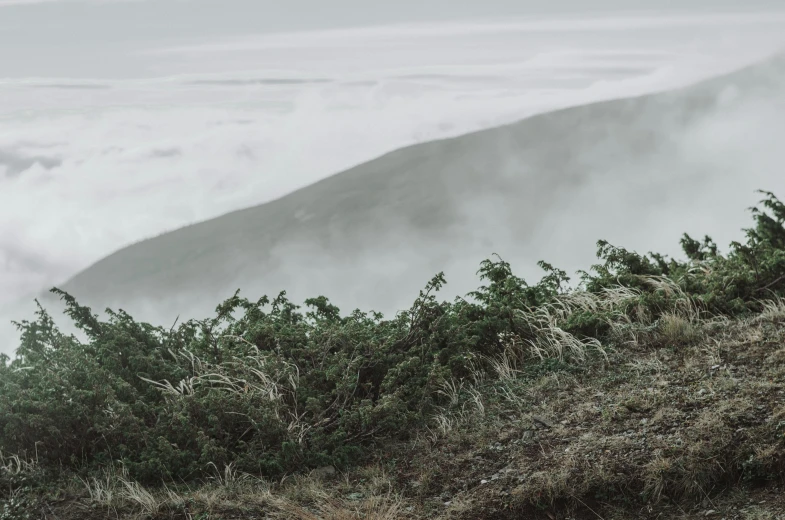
(98, 37)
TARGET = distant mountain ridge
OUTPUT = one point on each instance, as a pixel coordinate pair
(411, 212)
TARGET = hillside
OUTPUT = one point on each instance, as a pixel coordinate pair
(541, 188)
(653, 390)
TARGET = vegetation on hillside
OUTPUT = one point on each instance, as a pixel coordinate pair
(585, 394)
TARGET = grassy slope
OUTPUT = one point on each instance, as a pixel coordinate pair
(664, 421)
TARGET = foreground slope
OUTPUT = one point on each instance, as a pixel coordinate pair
(685, 423)
(545, 187)
(654, 391)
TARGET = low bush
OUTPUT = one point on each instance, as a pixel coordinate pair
(273, 388)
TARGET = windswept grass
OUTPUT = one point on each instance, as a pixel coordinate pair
(652, 389)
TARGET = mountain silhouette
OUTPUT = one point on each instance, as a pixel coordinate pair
(374, 234)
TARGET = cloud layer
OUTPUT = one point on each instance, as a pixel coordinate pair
(89, 165)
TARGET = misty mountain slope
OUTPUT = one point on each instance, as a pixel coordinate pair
(546, 187)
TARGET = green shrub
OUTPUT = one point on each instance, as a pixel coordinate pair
(282, 388)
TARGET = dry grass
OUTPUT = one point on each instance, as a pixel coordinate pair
(105, 490)
(678, 330)
(671, 420)
(140, 496)
(773, 310)
(16, 465)
(326, 507)
(677, 423)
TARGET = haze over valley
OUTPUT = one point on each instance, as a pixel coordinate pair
(107, 146)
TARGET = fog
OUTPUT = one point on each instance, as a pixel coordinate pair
(182, 129)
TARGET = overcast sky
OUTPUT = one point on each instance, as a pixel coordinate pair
(101, 38)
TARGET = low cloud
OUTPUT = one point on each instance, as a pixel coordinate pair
(86, 172)
(73, 86)
(15, 163)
